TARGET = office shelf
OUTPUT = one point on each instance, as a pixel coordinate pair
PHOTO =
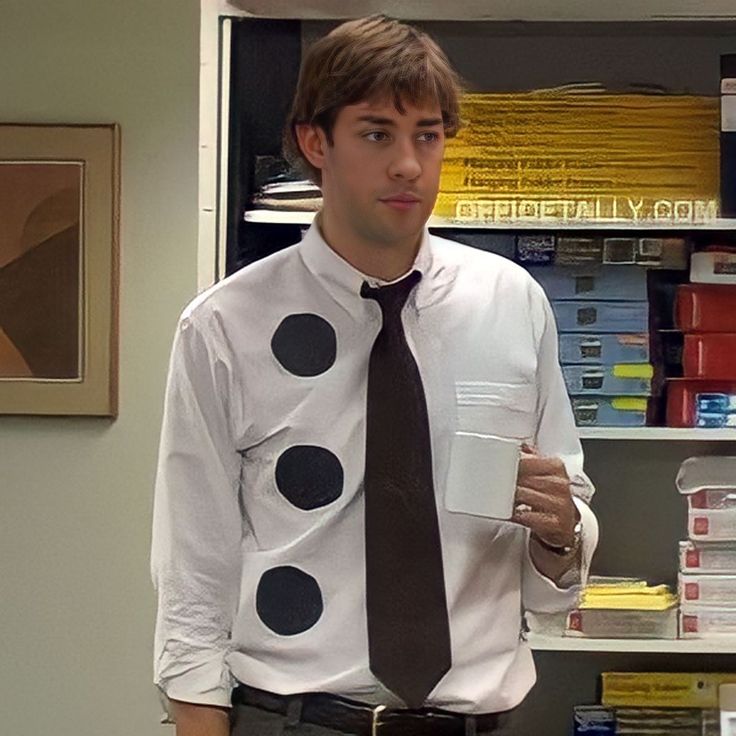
(722, 645)
(278, 217)
(657, 433)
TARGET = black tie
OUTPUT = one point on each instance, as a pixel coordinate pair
(408, 628)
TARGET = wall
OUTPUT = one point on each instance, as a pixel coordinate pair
(76, 494)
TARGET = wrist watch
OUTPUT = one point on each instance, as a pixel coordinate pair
(566, 550)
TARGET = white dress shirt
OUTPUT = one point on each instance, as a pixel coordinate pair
(258, 551)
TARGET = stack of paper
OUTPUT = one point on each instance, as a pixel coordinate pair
(708, 558)
(289, 196)
(628, 609)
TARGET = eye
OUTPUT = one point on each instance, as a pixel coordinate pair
(429, 137)
(377, 136)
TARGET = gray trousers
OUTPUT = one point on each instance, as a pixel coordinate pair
(248, 721)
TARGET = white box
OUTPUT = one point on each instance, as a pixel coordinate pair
(713, 268)
(717, 591)
(712, 498)
(708, 472)
(708, 558)
(712, 525)
(697, 622)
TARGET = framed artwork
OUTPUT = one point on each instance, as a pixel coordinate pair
(59, 218)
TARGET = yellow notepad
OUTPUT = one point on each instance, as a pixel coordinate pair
(629, 597)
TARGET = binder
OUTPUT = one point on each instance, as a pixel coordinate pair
(603, 349)
(616, 283)
(682, 399)
(601, 316)
(710, 355)
(622, 379)
(663, 689)
(706, 308)
(610, 411)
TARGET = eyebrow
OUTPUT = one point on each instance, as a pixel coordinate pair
(375, 120)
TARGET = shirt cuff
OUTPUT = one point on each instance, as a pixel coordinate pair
(543, 595)
(209, 683)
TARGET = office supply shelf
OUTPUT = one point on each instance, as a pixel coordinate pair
(278, 217)
(657, 433)
(721, 645)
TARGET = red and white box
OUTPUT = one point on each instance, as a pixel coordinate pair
(707, 473)
(709, 483)
(712, 525)
(707, 590)
(712, 498)
(682, 397)
(713, 266)
(707, 558)
(697, 622)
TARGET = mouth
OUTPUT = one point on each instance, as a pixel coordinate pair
(401, 201)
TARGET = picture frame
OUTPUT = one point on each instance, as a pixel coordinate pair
(59, 269)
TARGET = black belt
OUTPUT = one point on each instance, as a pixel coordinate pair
(351, 716)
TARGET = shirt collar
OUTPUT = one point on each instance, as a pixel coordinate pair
(343, 281)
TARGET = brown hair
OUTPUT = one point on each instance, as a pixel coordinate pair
(366, 59)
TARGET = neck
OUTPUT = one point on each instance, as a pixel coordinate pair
(385, 260)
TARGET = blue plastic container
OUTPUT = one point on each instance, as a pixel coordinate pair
(602, 411)
(615, 283)
(604, 349)
(602, 380)
(601, 316)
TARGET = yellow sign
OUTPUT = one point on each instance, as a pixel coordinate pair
(583, 157)
(584, 209)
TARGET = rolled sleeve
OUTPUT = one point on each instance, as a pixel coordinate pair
(197, 527)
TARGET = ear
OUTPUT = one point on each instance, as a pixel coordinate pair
(312, 142)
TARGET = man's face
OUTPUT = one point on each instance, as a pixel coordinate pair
(381, 175)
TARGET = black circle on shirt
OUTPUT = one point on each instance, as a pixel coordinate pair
(309, 476)
(288, 600)
(305, 344)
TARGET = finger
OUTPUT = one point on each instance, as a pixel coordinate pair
(533, 520)
(544, 526)
(529, 449)
(540, 502)
(549, 485)
(543, 465)
(537, 465)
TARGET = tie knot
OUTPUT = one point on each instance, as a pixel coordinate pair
(391, 298)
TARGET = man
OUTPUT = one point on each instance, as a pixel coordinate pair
(321, 405)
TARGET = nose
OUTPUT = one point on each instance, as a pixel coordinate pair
(405, 164)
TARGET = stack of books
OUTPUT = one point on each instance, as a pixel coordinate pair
(681, 703)
(627, 609)
(279, 187)
(707, 580)
(289, 196)
(598, 720)
(602, 315)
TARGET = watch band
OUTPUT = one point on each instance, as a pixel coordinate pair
(567, 549)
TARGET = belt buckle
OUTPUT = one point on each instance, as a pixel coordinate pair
(374, 720)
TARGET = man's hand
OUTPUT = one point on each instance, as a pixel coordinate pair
(543, 499)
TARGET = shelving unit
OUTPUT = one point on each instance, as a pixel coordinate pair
(657, 433)
(667, 646)
(506, 48)
(276, 217)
